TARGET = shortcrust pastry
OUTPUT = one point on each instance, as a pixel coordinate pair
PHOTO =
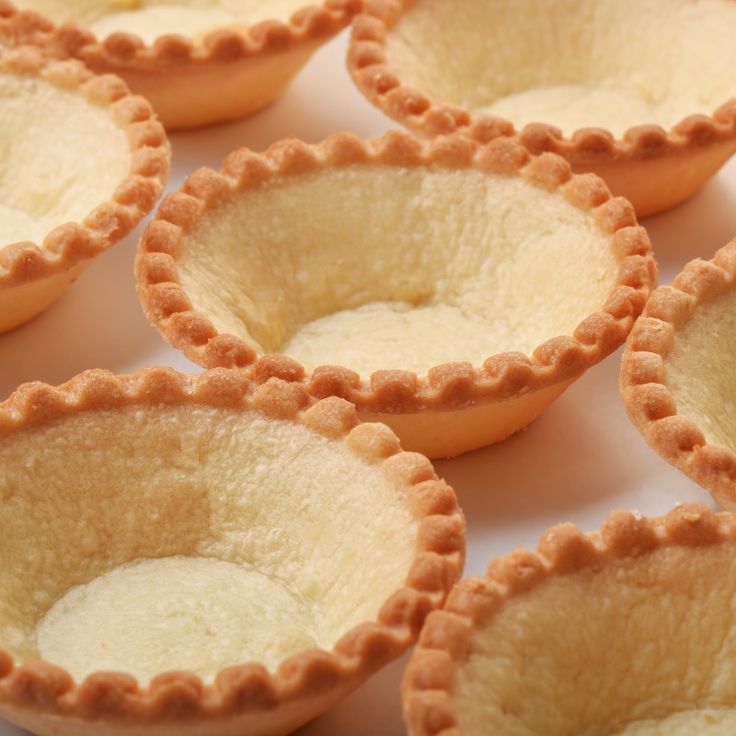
(678, 377)
(83, 162)
(245, 554)
(641, 94)
(628, 631)
(388, 272)
(197, 61)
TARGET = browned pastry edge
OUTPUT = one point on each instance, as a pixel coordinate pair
(313, 22)
(249, 688)
(383, 86)
(448, 386)
(648, 398)
(73, 243)
(429, 681)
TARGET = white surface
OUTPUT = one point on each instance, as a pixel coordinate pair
(578, 462)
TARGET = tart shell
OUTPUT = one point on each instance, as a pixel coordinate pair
(44, 698)
(33, 276)
(627, 543)
(226, 75)
(649, 399)
(457, 407)
(655, 169)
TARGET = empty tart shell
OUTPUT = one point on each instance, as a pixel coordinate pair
(627, 631)
(677, 376)
(639, 94)
(448, 289)
(84, 161)
(197, 62)
(209, 555)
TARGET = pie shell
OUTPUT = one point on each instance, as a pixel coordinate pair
(226, 75)
(650, 402)
(625, 541)
(457, 407)
(653, 168)
(32, 277)
(249, 699)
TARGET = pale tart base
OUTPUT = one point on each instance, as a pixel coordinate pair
(445, 434)
(20, 304)
(193, 94)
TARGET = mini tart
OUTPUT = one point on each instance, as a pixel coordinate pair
(678, 377)
(83, 162)
(628, 631)
(197, 61)
(389, 271)
(248, 555)
(640, 95)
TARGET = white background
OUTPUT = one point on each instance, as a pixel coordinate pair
(578, 462)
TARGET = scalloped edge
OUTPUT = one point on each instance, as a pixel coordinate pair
(44, 688)
(312, 22)
(649, 401)
(427, 687)
(449, 386)
(382, 85)
(72, 244)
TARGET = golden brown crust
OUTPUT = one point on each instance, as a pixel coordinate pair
(71, 244)
(429, 681)
(446, 387)
(175, 697)
(586, 149)
(649, 400)
(313, 22)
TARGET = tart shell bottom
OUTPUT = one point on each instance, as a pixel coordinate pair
(193, 94)
(20, 304)
(445, 434)
(653, 185)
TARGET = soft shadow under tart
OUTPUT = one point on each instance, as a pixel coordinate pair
(198, 62)
(628, 631)
(448, 289)
(639, 93)
(678, 377)
(245, 554)
(83, 162)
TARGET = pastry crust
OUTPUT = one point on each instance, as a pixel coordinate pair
(646, 387)
(654, 168)
(505, 383)
(635, 553)
(33, 275)
(247, 698)
(228, 73)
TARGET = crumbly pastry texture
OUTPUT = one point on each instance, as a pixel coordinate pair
(403, 233)
(586, 82)
(197, 62)
(677, 377)
(59, 210)
(629, 630)
(169, 32)
(129, 497)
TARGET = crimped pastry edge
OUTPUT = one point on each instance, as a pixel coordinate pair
(649, 400)
(446, 387)
(428, 684)
(313, 22)
(382, 85)
(249, 688)
(71, 244)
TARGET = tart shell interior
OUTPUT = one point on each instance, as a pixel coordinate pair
(145, 540)
(608, 64)
(149, 19)
(50, 176)
(380, 267)
(641, 648)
